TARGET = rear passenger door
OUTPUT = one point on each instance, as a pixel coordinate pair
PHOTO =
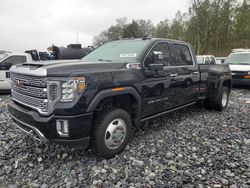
(185, 73)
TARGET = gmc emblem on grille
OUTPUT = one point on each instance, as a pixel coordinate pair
(19, 83)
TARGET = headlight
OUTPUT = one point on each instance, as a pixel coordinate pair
(71, 88)
(248, 73)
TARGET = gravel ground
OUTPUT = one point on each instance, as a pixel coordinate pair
(189, 148)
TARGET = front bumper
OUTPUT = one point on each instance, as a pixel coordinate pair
(241, 81)
(44, 128)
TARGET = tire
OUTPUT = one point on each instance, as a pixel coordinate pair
(208, 104)
(223, 99)
(111, 133)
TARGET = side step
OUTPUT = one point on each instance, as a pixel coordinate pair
(165, 112)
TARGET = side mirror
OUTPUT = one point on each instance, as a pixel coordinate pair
(157, 57)
(157, 63)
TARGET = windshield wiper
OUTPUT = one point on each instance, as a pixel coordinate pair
(109, 60)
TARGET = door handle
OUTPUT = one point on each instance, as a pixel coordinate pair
(195, 73)
(173, 74)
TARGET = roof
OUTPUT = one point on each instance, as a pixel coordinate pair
(154, 40)
(19, 53)
(240, 50)
(205, 56)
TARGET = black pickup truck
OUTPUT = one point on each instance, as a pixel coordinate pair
(98, 100)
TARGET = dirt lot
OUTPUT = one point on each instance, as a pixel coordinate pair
(193, 147)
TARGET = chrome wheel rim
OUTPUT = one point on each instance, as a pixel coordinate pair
(115, 134)
(224, 99)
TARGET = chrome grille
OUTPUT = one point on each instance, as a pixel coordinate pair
(40, 104)
(29, 80)
(30, 91)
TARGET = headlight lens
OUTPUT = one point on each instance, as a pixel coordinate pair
(71, 88)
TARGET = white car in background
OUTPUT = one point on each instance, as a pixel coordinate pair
(220, 60)
(239, 63)
(8, 59)
(206, 59)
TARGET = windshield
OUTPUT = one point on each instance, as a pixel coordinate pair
(238, 59)
(3, 55)
(199, 60)
(118, 51)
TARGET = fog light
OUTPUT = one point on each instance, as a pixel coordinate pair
(62, 127)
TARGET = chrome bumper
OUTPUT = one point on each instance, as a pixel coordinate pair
(28, 129)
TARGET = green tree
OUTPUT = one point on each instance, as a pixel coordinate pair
(139, 29)
(115, 32)
(211, 26)
(242, 25)
(162, 29)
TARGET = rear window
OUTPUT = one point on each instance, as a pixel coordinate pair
(182, 55)
(212, 61)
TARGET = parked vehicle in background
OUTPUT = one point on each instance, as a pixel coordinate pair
(98, 101)
(240, 50)
(220, 60)
(206, 59)
(6, 61)
(72, 51)
(239, 63)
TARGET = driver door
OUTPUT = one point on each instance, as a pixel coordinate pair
(158, 95)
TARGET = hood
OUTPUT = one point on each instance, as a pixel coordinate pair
(239, 67)
(63, 67)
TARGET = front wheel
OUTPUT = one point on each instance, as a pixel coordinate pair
(111, 133)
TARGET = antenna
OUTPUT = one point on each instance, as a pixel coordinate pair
(76, 38)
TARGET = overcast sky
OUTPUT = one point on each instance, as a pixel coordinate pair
(36, 24)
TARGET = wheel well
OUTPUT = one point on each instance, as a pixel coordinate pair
(227, 83)
(125, 101)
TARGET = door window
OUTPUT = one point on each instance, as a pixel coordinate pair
(181, 55)
(164, 49)
(207, 61)
(13, 60)
(212, 61)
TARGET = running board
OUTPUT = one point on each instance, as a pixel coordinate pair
(165, 112)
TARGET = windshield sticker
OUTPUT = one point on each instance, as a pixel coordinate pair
(128, 55)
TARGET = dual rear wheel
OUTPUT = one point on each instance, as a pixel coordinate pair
(221, 102)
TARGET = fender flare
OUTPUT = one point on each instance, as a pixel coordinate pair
(222, 80)
(109, 93)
